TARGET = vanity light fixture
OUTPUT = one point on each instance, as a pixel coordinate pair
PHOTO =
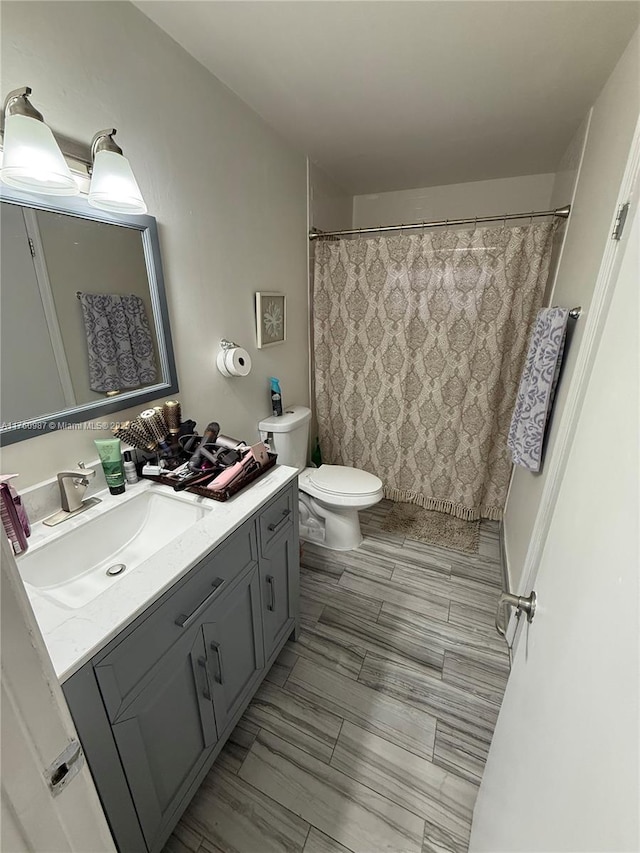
(113, 185)
(32, 159)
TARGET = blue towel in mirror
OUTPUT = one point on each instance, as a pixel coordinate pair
(119, 341)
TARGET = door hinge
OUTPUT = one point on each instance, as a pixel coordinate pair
(66, 767)
(32, 248)
(621, 218)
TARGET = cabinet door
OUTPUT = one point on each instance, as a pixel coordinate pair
(123, 666)
(166, 731)
(278, 572)
(233, 639)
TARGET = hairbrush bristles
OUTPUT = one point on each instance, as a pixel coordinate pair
(141, 424)
(133, 433)
(154, 424)
(160, 412)
(139, 428)
(125, 432)
(173, 416)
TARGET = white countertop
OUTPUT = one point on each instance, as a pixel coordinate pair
(72, 637)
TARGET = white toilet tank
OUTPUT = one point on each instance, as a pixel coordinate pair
(290, 434)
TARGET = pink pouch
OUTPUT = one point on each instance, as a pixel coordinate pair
(17, 500)
(14, 518)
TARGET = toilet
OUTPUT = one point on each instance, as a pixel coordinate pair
(330, 496)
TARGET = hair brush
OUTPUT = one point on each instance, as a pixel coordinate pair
(173, 417)
(135, 436)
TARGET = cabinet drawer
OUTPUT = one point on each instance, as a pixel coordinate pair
(121, 669)
(276, 518)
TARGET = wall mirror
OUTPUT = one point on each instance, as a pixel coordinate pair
(84, 325)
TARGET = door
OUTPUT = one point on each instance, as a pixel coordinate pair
(166, 731)
(235, 653)
(562, 772)
(277, 568)
(36, 729)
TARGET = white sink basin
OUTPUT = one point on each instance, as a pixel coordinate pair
(72, 569)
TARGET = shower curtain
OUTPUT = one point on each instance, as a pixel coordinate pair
(419, 343)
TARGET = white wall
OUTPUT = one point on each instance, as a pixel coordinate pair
(454, 201)
(563, 192)
(330, 207)
(613, 120)
(229, 195)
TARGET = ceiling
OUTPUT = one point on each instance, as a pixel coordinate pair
(394, 95)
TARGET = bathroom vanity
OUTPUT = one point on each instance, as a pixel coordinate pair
(155, 702)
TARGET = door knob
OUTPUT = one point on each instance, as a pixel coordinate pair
(521, 603)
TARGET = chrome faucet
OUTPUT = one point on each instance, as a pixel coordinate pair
(73, 485)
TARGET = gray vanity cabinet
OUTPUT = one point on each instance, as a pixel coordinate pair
(278, 575)
(234, 649)
(156, 705)
(279, 568)
(166, 730)
(164, 733)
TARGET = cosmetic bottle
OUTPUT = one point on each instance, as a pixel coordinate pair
(276, 397)
(130, 473)
(111, 458)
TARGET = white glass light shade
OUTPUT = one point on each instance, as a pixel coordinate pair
(113, 185)
(32, 160)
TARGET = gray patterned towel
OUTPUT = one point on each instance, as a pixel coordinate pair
(537, 388)
(119, 341)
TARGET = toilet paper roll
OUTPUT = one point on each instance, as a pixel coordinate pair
(234, 362)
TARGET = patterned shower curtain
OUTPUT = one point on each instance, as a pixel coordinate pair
(419, 343)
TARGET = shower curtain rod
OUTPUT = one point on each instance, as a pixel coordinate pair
(562, 212)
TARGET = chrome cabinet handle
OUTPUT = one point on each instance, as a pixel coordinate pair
(183, 621)
(272, 593)
(216, 648)
(285, 513)
(523, 605)
(206, 692)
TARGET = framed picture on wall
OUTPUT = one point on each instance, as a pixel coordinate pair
(271, 318)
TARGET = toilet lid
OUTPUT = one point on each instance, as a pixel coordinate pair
(341, 480)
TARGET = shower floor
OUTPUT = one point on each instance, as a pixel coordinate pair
(371, 732)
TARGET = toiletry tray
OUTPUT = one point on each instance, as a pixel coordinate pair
(224, 495)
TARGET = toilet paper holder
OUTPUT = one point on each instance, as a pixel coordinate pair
(225, 344)
(225, 359)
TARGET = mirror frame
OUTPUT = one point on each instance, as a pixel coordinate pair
(147, 225)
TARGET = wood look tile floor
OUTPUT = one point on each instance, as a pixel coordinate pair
(371, 732)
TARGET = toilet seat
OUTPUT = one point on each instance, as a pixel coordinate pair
(366, 489)
(341, 480)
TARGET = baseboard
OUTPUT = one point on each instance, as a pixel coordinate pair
(504, 564)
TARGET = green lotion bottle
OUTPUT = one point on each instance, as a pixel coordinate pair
(111, 458)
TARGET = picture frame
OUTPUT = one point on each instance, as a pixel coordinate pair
(271, 318)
